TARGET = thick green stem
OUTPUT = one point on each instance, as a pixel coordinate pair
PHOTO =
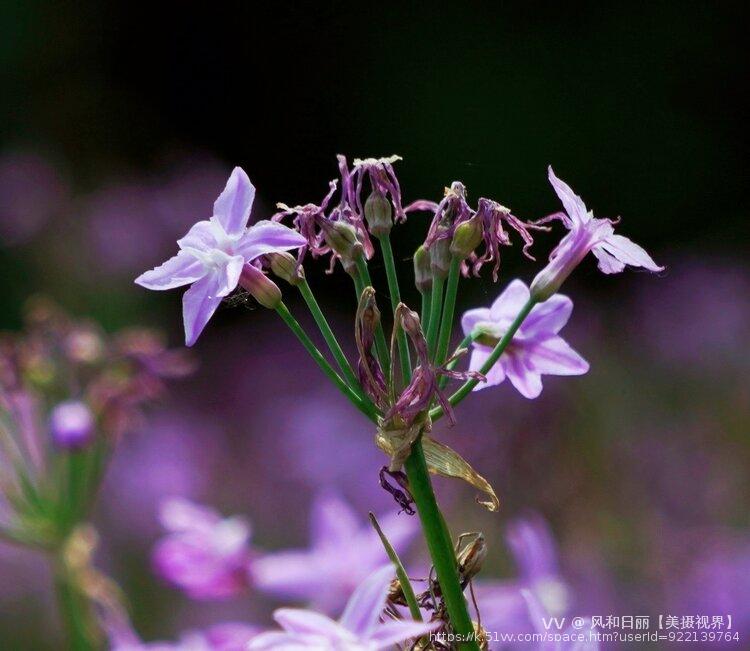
(321, 361)
(390, 271)
(333, 344)
(424, 315)
(440, 547)
(449, 306)
(75, 612)
(381, 344)
(436, 305)
(466, 388)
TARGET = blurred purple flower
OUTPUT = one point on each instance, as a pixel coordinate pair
(587, 233)
(502, 604)
(31, 190)
(229, 636)
(71, 424)
(214, 252)
(343, 551)
(536, 348)
(358, 629)
(206, 556)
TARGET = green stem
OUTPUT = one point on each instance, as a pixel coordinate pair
(390, 271)
(436, 304)
(333, 344)
(449, 306)
(403, 577)
(383, 351)
(74, 610)
(425, 313)
(440, 546)
(321, 361)
(466, 388)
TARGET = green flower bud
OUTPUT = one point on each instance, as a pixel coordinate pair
(285, 266)
(379, 214)
(342, 238)
(422, 270)
(467, 237)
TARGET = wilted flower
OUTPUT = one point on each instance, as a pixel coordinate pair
(358, 629)
(535, 350)
(203, 554)
(71, 424)
(214, 254)
(587, 233)
(343, 552)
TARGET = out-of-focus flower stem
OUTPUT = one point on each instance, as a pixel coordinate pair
(74, 610)
(381, 344)
(331, 341)
(393, 289)
(449, 305)
(436, 306)
(439, 545)
(321, 361)
(466, 388)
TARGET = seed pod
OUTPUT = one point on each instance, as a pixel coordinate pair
(422, 270)
(286, 267)
(466, 238)
(379, 214)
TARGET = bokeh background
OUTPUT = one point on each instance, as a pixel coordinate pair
(120, 123)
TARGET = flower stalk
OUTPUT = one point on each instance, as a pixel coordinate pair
(449, 306)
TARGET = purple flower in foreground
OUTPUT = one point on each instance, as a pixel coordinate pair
(587, 233)
(358, 629)
(536, 348)
(215, 253)
(71, 425)
(343, 552)
(206, 556)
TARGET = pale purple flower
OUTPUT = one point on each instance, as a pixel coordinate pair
(214, 252)
(343, 551)
(71, 424)
(536, 349)
(587, 233)
(229, 636)
(203, 554)
(358, 629)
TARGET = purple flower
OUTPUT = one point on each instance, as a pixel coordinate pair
(358, 629)
(587, 233)
(343, 552)
(71, 425)
(229, 636)
(536, 348)
(206, 556)
(214, 253)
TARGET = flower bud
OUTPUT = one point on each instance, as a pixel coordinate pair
(440, 257)
(467, 237)
(379, 214)
(260, 286)
(71, 425)
(342, 238)
(286, 267)
(422, 270)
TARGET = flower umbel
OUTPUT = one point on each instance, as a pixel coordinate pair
(587, 233)
(535, 350)
(214, 252)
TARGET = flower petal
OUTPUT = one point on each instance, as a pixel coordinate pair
(333, 522)
(629, 252)
(201, 236)
(471, 317)
(178, 514)
(280, 641)
(390, 633)
(554, 356)
(308, 622)
(365, 606)
(266, 237)
(495, 376)
(572, 203)
(608, 263)
(527, 380)
(232, 208)
(507, 306)
(200, 302)
(181, 269)
(548, 317)
(290, 574)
